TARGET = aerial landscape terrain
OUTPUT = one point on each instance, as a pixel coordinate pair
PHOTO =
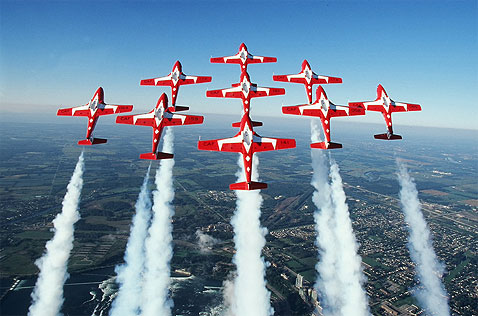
(34, 177)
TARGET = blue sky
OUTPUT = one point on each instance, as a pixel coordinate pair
(56, 54)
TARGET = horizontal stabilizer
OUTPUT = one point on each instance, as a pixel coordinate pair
(156, 156)
(178, 108)
(248, 186)
(387, 136)
(95, 141)
(254, 124)
(325, 145)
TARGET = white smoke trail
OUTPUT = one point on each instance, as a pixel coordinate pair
(349, 263)
(158, 245)
(340, 276)
(129, 274)
(327, 282)
(249, 293)
(431, 294)
(47, 296)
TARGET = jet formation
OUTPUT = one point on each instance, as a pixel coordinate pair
(246, 141)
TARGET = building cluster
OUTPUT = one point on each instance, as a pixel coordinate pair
(218, 227)
(219, 196)
(303, 232)
(404, 310)
(308, 294)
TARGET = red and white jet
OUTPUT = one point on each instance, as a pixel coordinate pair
(175, 79)
(245, 90)
(93, 110)
(246, 142)
(323, 109)
(243, 58)
(158, 118)
(308, 78)
(387, 106)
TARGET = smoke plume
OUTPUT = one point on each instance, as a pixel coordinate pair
(205, 242)
(249, 294)
(340, 276)
(349, 263)
(129, 274)
(158, 244)
(431, 294)
(327, 282)
(47, 296)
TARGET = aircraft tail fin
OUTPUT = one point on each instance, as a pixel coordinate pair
(325, 145)
(248, 186)
(156, 156)
(387, 136)
(101, 95)
(93, 141)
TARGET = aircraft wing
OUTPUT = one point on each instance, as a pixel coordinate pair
(234, 92)
(297, 78)
(369, 105)
(379, 107)
(404, 107)
(342, 110)
(146, 119)
(267, 143)
(252, 59)
(172, 119)
(315, 110)
(187, 79)
(265, 92)
(236, 59)
(233, 144)
(319, 79)
(304, 109)
(355, 110)
(159, 81)
(226, 60)
(82, 110)
(114, 109)
(300, 78)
